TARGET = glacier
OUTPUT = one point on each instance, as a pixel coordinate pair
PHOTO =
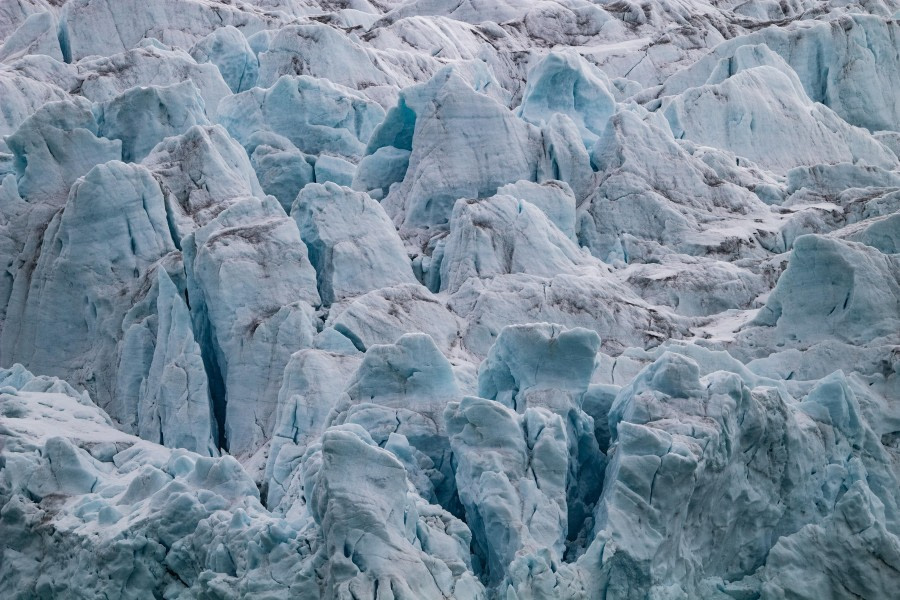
(433, 299)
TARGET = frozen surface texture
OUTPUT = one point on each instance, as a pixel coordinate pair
(430, 300)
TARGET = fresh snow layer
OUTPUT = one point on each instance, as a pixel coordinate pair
(422, 299)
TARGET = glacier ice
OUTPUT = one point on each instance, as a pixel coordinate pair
(414, 299)
(228, 49)
(567, 84)
(250, 330)
(502, 234)
(442, 113)
(337, 120)
(352, 243)
(757, 104)
(144, 116)
(103, 78)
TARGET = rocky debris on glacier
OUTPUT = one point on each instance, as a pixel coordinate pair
(416, 299)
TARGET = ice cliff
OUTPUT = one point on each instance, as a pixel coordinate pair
(471, 299)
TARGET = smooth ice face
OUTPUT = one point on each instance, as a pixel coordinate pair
(553, 197)
(36, 35)
(228, 50)
(54, 147)
(483, 300)
(835, 290)
(143, 117)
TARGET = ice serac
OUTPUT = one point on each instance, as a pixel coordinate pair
(23, 96)
(227, 48)
(360, 496)
(144, 116)
(97, 253)
(104, 27)
(847, 64)
(37, 35)
(501, 235)
(335, 169)
(565, 83)
(543, 366)
(600, 304)
(201, 172)
(835, 290)
(764, 114)
(352, 243)
(780, 466)
(55, 146)
(175, 407)
(882, 233)
(697, 286)
(319, 50)
(403, 388)
(382, 316)
(378, 170)
(281, 168)
(511, 474)
(51, 149)
(555, 198)
(101, 79)
(462, 143)
(315, 115)
(472, 300)
(650, 189)
(248, 330)
(314, 381)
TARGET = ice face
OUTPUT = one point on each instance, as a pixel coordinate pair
(758, 104)
(250, 331)
(502, 234)
(482, 300)
(352, 242)
(336, 119)
(75, 327)
(443, 113)
(143, 117)
(227, 48)
(567, 84)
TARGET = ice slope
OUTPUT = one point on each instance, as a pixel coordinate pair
(482, 299)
